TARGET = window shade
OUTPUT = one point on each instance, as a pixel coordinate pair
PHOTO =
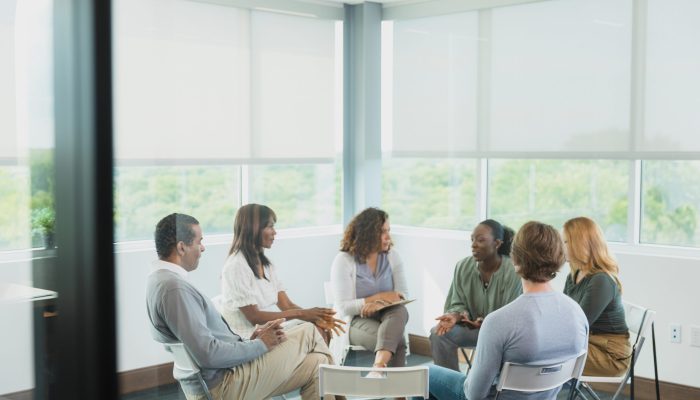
(434, 85)
(672, 76)
(198, 82)
(555, 79)
(8, 126)
(293, 86)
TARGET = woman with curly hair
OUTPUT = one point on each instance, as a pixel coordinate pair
(366, 276)
(593, 283)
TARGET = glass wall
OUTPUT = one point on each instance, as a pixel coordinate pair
(27, 220)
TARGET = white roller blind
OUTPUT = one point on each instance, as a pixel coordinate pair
(434, 80)
(8, 128)
(181, 81)
(560, 78)
(293, 86)
(196, 81)
(673, 77)
(555, 79)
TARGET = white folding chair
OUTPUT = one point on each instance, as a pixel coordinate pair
(394, 382)
(340, 345)
(639, 321)
(185, 362)
(536, 377)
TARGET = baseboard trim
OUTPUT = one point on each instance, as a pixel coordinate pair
(643, 387)
(23, 395)
(140, 379)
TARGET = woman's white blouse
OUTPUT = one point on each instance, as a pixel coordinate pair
(240, 287)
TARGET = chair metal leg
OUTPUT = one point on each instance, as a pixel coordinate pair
(590, 390)
(573, 389)
(468, 359)
(656, 371)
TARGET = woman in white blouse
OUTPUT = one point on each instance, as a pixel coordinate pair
(366, 276)
(252, 293)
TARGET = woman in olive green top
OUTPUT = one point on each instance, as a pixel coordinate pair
(593, 283)
(482, 283)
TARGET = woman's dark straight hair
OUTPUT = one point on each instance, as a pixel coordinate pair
(250, 221)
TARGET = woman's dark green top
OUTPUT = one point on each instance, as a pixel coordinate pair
(601, 301)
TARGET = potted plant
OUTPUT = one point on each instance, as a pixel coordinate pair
(43, 222)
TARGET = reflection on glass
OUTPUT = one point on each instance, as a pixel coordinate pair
(430, 193)
(26, 196)
(553, 191)
(671, 203)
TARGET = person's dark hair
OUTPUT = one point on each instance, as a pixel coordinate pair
(172, 229)
(538, 252)
(250, 221)
(363, 234)
(502, 233)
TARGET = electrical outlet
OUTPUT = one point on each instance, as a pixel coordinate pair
(675, 333)
(695, 336)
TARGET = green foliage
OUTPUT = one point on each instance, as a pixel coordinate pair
(430, 193)
(43, 221)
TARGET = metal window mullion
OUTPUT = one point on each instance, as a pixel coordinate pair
(637, 116)
(483, 111)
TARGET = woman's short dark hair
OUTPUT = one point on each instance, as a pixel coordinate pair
(502, 233)
(250, 221)
(363, 234)
(172, 229)
(538, 252)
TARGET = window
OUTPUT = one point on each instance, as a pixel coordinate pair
(206, 118)
(553, 191)
(671, 203)
(430, 193)
(300, 195)
(144, 195)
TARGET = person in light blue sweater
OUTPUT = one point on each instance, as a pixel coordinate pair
(540, 326)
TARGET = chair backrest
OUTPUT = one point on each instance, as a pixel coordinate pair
(537, 377)
(639, 320)
(183, 360)
(394, 382)
(185, 363)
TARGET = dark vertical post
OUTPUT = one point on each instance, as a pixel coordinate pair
(85, 338)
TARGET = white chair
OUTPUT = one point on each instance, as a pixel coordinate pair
(186, 363)
(639, 321)
(536, 377)
(340, 345)
(394, 382)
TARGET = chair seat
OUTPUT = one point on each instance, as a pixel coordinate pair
(602, 379)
